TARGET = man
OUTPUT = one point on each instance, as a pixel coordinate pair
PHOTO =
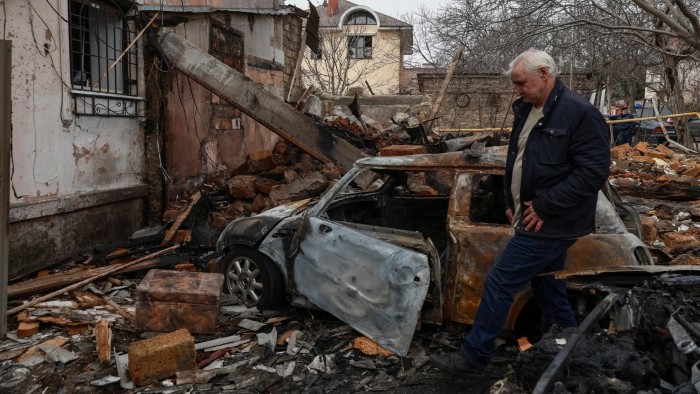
(558, 159)
(625, 130)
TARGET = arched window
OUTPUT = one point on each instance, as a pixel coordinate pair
(361, 18)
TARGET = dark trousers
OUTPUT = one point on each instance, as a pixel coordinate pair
(523, 259)
(625, 137)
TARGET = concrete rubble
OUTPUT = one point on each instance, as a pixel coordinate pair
(86, 340)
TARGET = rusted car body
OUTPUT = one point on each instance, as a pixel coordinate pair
(415, 245)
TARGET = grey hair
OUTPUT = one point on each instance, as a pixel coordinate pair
(532, 60)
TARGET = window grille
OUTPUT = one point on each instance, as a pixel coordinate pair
(99, 34)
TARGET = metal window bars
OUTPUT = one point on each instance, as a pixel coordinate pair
(99, 33)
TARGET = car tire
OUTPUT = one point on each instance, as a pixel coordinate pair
(253, 278)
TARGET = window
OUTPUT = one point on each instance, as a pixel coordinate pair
(361, 18)
(360, 47)
(99, 34)
(488, 199)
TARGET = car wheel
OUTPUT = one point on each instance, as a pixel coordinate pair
(253, 278)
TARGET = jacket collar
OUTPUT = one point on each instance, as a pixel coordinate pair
(521, 107)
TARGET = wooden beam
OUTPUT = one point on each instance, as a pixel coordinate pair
(445, 85)
(169, 233)
(253, 100)
(55, 281)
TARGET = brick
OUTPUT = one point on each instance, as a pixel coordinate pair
(663, 149)
(642, 147)
(402, 150)
(680, 242)
(265, 185)
(649, 230)
(620, 151)
(162, 356)
(261, 161)
(694, 172)
(242, 186)
(655, 154)
(27, 329)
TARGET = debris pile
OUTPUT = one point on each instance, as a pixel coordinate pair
(371, 136)
(663, 186)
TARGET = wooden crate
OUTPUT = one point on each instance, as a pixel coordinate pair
(169, 300)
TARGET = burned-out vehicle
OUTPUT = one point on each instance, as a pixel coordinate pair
(398, 240)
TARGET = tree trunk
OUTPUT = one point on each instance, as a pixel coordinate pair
(675, 97)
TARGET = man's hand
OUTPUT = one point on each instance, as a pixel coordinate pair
(530, 218)
(509, 215)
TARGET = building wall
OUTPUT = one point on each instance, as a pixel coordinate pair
(203, 134)
(65, 168)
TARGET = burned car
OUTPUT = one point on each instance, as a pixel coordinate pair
(401, 240)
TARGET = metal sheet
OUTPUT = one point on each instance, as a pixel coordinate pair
(378, 288)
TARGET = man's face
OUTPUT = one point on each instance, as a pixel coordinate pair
(532, 88)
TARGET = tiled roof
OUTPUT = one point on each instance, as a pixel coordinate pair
(343, 5)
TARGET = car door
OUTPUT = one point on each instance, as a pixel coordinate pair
(362, 275)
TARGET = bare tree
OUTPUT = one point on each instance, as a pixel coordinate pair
(614, 42)
(351, 57)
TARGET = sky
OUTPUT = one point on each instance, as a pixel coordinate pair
(393, 8)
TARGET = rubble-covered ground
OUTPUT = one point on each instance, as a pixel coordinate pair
(59, 346)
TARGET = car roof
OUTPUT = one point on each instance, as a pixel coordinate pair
(492, 158)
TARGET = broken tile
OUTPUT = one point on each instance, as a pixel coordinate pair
(194, 376)
(217, 342)
(268, 340)
(287, 369)
(105, 381)
(325, 364)
(251, 325)
(55, 353)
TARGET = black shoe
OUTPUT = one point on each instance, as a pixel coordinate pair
(454, 364)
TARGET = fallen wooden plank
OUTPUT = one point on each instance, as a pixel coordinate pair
(55, 281)
(253, 100)
(88, 280)
(180, 218)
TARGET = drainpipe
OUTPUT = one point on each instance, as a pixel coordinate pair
(5, 124)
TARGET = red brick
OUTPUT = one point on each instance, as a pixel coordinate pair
(160, 357)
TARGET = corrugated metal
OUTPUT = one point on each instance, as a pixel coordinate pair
(313, 39)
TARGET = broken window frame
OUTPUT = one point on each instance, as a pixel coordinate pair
(99, 31)
(360, 47)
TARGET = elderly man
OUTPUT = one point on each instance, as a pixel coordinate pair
(558, 159)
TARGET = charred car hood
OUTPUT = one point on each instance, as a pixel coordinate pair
(250, 230)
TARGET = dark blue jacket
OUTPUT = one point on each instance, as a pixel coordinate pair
(565, 162)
